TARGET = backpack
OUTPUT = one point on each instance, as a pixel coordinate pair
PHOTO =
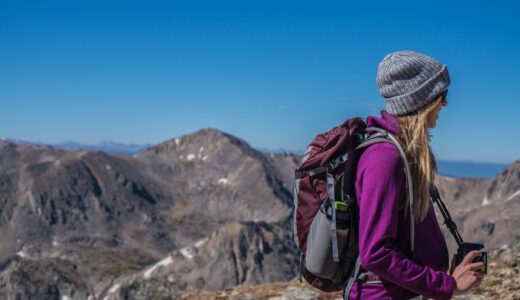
(325, 211)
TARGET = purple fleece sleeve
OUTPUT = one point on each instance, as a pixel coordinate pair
(381, 182)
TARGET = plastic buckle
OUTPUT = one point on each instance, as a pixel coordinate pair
(340, 205)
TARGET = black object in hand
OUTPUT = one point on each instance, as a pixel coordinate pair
(466, 248)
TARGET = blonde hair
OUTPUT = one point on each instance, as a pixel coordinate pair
(416, 145)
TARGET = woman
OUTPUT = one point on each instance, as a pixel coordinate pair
(414, 87)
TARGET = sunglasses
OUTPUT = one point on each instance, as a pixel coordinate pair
(444, 96)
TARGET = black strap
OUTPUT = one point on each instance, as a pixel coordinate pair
(436, 198)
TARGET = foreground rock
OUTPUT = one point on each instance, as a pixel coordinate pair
(292, 290)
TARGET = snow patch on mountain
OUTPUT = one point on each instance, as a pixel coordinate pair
(517, 193)
(201, 243)
(168, 260)
(21, 253)
(189, 252)
(186, 252)
(112, 290)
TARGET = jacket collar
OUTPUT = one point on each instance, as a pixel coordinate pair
(387, 122)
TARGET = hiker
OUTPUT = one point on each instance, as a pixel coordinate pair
(414, 87)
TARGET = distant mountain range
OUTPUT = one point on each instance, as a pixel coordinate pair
(457, 169)
(105, 146)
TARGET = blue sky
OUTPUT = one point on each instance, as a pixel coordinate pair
(274, 73)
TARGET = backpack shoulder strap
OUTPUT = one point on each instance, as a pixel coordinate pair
(380, 136)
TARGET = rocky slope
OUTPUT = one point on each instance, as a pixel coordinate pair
(236, 254)
(502, 282)
(486, 210)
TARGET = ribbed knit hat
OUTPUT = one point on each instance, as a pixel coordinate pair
(408, 80)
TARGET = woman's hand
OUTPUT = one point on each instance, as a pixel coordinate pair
(467, 274)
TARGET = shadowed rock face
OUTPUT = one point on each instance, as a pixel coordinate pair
(203, 211)
(78, 197)
(48, 278)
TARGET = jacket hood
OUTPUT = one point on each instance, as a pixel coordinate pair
(386, 121)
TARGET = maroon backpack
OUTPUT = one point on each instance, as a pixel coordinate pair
(325, 214)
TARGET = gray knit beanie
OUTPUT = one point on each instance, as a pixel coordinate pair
(409, 80)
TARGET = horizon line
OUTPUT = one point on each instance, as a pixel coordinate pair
(262, 149)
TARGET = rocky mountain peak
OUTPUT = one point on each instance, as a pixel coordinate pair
(506, 185)
(207, 139)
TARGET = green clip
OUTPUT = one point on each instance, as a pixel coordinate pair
(340, 205)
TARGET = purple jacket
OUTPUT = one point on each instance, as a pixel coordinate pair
(384, 232)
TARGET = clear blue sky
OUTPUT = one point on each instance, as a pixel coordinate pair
(274, 73)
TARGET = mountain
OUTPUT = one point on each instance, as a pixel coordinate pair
(221, 173)
(108, 216)
(204, 211)
(105, 146)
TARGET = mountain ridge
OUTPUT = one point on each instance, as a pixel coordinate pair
(449, 168)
